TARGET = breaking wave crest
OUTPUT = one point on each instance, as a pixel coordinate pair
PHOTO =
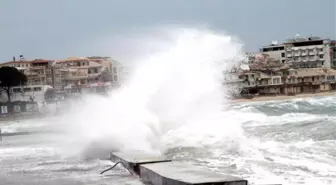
(173, 97)
(174, 104)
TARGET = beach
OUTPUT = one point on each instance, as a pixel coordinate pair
(284, 97)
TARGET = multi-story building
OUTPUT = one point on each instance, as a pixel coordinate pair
(286, 81)
(233, 83)
(311, 52)
(86, 75)
(333, 53)
(275, 51)
(35, 74)
(120, 73)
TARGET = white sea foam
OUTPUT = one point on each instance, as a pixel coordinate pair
(174, 99)
(174, 96)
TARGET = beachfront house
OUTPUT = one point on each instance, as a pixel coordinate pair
(269, 84)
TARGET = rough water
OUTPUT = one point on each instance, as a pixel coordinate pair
(289, 142)
(174, 104)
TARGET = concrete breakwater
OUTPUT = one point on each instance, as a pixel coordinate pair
(158, 170)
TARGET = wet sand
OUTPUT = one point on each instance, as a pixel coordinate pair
(284, 97)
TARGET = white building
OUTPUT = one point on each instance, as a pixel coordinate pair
(26, 93)
(311, 52)
(275, 51)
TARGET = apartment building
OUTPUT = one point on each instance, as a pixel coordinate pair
(299, 52)
(311, 52)
(83, 71)
(333, 53)
(78, 71)
(275, 52)
(269, 83)
(233, 83)
(120, 73)
(35, 74)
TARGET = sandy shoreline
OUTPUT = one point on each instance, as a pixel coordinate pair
(284, 97)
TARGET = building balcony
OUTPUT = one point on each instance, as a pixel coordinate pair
(316, 83)
(233, 80)
(249, 84)
(292, 83)
(304, 54)
(312, 53)
(263, 85)
(77, 77)
(269, 84)
(289, 55)
(94, 75)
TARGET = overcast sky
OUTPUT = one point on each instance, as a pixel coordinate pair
(61, 28)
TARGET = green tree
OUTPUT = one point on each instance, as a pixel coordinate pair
(9, 77)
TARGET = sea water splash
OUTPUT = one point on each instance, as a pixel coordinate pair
(174, 103)
(174, 98)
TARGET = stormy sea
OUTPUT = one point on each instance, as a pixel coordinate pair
(174, 104)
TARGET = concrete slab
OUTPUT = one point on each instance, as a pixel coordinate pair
(158, 170)
(177, 173)
(138, 157)
(132, 160)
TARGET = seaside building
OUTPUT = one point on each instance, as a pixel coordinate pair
(269, 84)
(289, 81)
(120, 73)
(35, 74)
(27, 93)
(92, 74)
(299, 52)
(87, 74)
(333, 53)
(233, 84)
(311, 52)
(275, 51)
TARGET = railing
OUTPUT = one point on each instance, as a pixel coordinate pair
(92, 75)
(75, 77)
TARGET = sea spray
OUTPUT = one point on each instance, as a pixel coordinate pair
(174, 98)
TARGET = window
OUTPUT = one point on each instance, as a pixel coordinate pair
(115, 78)
(282, 54)
(16, 90)
(4, 110)
(27, 89)
(115, 70)
(17, 108)
(321, 56)
(36, 89)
